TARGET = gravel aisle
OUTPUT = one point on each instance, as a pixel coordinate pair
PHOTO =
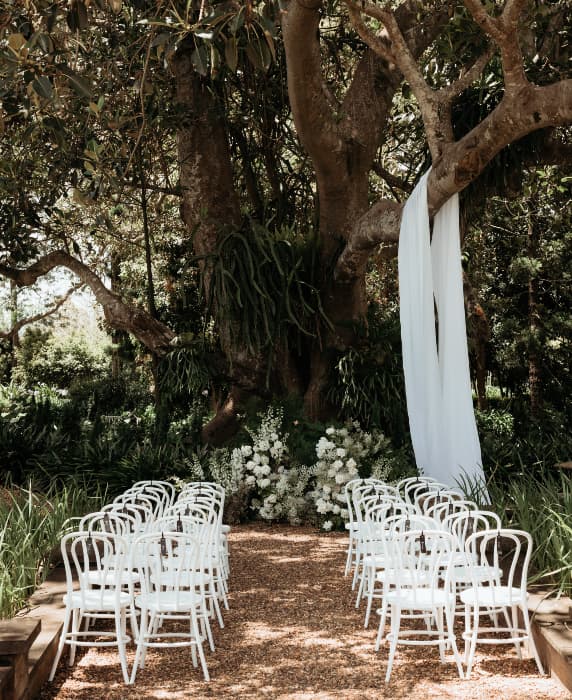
(292, 633)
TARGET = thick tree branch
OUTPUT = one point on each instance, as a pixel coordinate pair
(58, 303)
(516, 116)
(120, 315)
(379, 224)
(310, 100)
(368, 100)
(503, 30)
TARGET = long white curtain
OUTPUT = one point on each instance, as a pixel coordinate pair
(437, 380)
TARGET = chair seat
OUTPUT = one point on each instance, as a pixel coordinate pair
(420, 598)
(499, 596)
(96, 601)
(98, 578)
(468, 574)
(169, 601)
(375, 561)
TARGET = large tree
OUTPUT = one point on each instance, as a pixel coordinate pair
(98, 97)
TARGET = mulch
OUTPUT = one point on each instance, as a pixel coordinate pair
(293, 633)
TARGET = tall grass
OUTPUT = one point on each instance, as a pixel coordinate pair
(31, 526)
(541, 505)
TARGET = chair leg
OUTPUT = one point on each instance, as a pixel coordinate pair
(450, 620)
(349, 556)
(438, 617)
(120, 626)
(61, 643)
(76, 628)
(196, 635)
(382, 620)
(471, 643)
(370, 586)
(143, 622)
(394, 634)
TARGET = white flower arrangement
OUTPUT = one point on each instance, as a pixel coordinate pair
(339, 453)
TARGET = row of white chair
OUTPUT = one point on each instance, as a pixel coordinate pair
(149, 557)
(426, 552)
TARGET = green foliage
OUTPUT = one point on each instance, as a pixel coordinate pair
(264, 284)
(541, 504)
(44, 359)
(31, 526)
(366, 383)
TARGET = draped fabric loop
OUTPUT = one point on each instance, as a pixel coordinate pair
(436, 363)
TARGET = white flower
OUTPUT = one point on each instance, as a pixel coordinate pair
(351, 463)
(344, 512)
(246, 450)
(328, 525)
(341, 478)
(250, 480)
(338, 464)
(336, 509)
(264, 445)
(341, 452)
(326, 489)
(330, 431)
(263, 483)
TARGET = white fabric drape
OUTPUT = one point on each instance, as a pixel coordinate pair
(437, 380)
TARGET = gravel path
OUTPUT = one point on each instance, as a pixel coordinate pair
(292, 633)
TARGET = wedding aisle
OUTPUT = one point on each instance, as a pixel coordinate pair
(293, 633)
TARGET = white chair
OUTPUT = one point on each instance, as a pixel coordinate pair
(169, 564)
(417, 557)
(99, 560)
(443, 509)
(164, 487)
(498, 591)
(385, 575)
(425, 501)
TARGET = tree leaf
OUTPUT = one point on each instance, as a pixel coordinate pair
(231, 53)
(79, 85)
(42, 87)
(16, 41)
(254, 56)
(237, 21)
(199, 57)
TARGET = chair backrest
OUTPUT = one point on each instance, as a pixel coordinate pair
(149, 502)
(164, 487)
(138, 514)
(169, 564)
(503, 550)
(424, 500)
(411, 521)
(442, 509)
(465, 523)
(103, 521)
(420, 559)
(408, 485)
(364, 493)
(90, 553)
